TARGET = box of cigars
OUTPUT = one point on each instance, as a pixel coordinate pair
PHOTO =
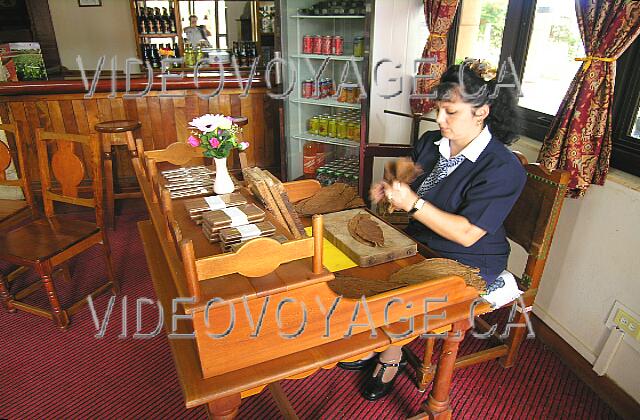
(235, 235)
(194, 181)
(215, 220)
(196, 207)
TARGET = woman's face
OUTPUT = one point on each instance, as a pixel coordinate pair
(458, 120)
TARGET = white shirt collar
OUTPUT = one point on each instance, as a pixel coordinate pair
(473, 149)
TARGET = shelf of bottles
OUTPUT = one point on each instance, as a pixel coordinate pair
(329, 34)
(156, 30)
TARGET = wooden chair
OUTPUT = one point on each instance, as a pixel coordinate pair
(12, 212)
(47, 244)
(531, 224)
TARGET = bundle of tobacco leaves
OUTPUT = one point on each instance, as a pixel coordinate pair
(335, 197)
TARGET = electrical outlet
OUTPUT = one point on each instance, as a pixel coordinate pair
(627, 323)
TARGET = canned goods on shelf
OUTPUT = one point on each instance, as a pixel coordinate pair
(307, 89)
(323, 126)
(307, 44)
(337, 46)
(317, 44)
(327, 41)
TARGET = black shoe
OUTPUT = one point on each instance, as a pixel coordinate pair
(358, 364)
(374, 388)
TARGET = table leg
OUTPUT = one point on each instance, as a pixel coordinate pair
(224, 408)
(437, 405)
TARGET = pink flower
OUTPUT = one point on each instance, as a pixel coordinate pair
(193, 141)
(214, 142)
(244, 145)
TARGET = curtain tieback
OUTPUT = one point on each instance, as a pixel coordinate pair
(435, 35)
(588, 59)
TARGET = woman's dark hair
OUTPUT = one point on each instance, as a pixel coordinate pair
(504, 116)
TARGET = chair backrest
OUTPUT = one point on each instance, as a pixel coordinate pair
(533, 218)
(256, 258)
(58, 156)
(14, 152)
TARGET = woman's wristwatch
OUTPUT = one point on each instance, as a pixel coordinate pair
(416, 206)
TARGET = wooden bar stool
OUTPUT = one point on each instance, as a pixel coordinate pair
(108, 136)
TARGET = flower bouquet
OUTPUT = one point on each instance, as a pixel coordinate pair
(217, 135)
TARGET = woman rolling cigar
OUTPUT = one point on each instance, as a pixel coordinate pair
(469, 185)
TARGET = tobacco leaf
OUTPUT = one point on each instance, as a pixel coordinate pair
(333, 198)
(365, 230)
(438, 267)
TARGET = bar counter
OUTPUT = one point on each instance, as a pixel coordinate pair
(63, 105)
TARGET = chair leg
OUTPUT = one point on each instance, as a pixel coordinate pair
(60, 316)
(427, 369)
(109, 208)
(5, 296)
(106, 253)
(513, 342)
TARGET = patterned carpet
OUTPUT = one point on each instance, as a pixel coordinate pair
(49, 374)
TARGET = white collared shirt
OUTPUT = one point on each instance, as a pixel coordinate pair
(472, 151)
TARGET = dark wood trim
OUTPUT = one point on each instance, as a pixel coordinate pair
(43, 33)
(621, 402)
(104, 85)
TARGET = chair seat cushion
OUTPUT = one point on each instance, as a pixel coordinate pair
(44, 238)
(10, 207)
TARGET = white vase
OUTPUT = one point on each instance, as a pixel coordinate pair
(223, 183)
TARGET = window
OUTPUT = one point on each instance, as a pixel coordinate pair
(542, 39)
(635, 132)
(480, 31)
(554, 45)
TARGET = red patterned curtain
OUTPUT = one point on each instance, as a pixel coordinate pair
(580, 137)
(439, 14)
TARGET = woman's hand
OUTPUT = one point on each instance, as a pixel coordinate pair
(376, 192)
(400, 195)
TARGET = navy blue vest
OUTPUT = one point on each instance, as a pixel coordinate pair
(483, 191)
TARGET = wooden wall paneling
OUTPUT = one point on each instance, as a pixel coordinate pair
(153, 105)
(145, 120)
(80, 112)
(168, 120)
(270, 121)
(68, 117)
(180, 119)
(203, 106)
(224, 102)
(190, 107)
(104, 110)
(246, 110)
(266, 153)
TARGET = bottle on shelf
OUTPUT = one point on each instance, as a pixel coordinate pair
(151, 26)
(172, 19)
(166, 22)
(155, 54)
(309, 156)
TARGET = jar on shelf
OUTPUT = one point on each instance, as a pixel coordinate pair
(358, 46)
(323, 126)
(313, 125)
(332, 127)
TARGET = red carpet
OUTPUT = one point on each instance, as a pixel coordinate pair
(48, 374)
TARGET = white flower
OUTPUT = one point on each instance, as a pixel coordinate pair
(209, 122)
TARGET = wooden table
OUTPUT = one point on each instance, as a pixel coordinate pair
(236, 378)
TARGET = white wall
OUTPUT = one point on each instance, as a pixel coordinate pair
(399, 35)
(593, 262)
(595, 256)
(92, 32)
